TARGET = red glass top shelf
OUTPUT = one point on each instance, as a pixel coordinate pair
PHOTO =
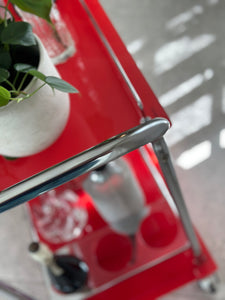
(104, 105)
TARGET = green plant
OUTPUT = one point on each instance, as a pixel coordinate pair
(17, 37)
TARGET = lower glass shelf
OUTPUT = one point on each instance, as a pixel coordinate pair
(71, 221)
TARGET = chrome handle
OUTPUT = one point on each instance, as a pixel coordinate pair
(82, 163)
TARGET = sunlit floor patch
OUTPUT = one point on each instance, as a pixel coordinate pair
(213, 2)
(175, 52)
(222, 139)
(190, 119)
(135, 46)
(140, 64)
(194, 156)
(178, 23)
(185, 88)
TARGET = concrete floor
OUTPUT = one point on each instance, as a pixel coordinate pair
(179, 46)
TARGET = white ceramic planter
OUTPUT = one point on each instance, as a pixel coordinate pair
(34, 124)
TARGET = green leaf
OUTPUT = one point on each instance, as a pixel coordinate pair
(4, 74)
(5, 59)
(59, 84)
(25, 68)
(4, 96)
(40, 8)
(18, 33)
(37, 74)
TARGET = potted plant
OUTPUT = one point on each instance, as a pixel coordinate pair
(34, 104)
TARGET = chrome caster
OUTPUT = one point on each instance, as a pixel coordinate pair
(209, 284)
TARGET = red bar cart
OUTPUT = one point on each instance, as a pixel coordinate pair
(114, 115)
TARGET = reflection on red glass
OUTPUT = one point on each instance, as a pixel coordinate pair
(114, 252)
(159, 230)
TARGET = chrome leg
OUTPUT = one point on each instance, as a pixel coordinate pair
(165, 162)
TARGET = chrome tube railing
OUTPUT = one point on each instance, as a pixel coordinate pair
(82, 163)
(115, 59)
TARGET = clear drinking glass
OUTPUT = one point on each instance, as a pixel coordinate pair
(56, 39)
(58, 218)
